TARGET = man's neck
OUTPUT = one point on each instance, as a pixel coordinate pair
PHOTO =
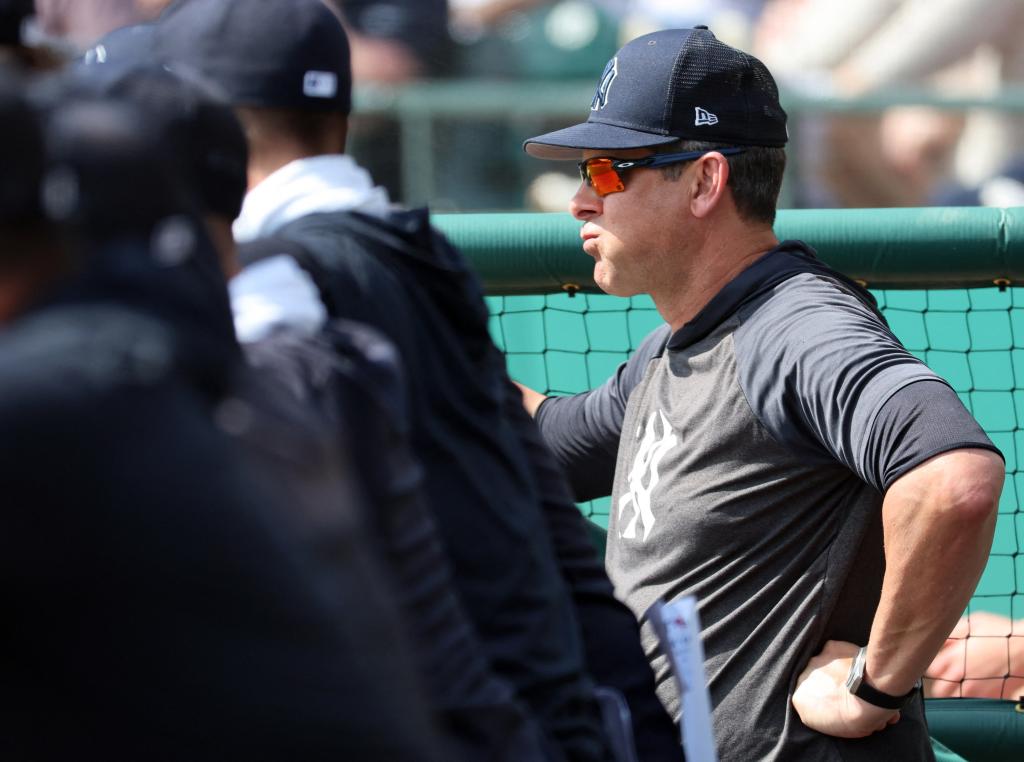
(719, 260)
(263, 167)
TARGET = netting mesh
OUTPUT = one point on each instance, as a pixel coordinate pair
(973, 338)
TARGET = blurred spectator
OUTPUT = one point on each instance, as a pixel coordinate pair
(82, 22)
(983, 658)
(850, 49)
(394, 41)
(1002, 189)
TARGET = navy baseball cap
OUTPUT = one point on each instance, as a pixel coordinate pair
(265, 53)
(676, 84)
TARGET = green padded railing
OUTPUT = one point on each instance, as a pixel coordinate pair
(942, 247)
(980, 730)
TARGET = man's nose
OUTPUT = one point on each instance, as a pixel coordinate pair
(585, 204)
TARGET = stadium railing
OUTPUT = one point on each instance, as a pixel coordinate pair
(420, 108)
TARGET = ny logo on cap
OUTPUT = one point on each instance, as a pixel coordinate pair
(320, 84)
(704, 117)
(611, 71)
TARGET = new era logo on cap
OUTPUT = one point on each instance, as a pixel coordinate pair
(320, 84)
(703, 117)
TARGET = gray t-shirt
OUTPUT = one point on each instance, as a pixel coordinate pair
(756, 444)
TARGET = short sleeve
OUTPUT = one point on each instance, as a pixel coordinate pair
(582, 430)
(918, 422)
(817, 365)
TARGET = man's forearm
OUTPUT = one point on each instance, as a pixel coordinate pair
(532, 399)
(938, 520)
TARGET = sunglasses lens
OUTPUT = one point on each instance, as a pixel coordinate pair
(603, 177)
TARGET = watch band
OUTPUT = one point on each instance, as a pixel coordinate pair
(856, 684)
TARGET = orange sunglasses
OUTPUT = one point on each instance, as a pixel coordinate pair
(602, 172)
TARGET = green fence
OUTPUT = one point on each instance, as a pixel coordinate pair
(971, 331)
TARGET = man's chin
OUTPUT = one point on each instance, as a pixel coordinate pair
(610, 287)
(602, 280)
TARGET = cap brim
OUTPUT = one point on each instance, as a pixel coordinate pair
(572, 141)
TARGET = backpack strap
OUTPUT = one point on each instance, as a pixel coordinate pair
(251, 252)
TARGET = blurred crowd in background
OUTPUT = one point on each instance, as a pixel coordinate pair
(871, 51)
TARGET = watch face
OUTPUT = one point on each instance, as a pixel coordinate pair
(853, 680)
(855, 684)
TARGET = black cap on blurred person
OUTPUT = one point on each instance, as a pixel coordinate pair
(106, 174)
(201, 131)
(263, 53)
(21, 155)
(118, 198)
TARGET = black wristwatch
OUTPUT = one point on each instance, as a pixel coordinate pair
(856, 685)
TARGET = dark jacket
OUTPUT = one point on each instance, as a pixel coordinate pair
(482, 483)
(162, 604)
(611, 634)
(349, 376)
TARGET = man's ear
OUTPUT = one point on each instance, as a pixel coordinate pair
(711, 175)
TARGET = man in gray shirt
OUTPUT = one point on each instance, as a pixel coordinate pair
(776, 451)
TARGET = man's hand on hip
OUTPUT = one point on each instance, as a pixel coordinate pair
(824, 704)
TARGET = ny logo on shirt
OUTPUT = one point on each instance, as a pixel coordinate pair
(644, 477)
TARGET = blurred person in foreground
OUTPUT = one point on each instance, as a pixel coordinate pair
(341, 381)
(501, 507)
(776, 452)
(163, 604)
